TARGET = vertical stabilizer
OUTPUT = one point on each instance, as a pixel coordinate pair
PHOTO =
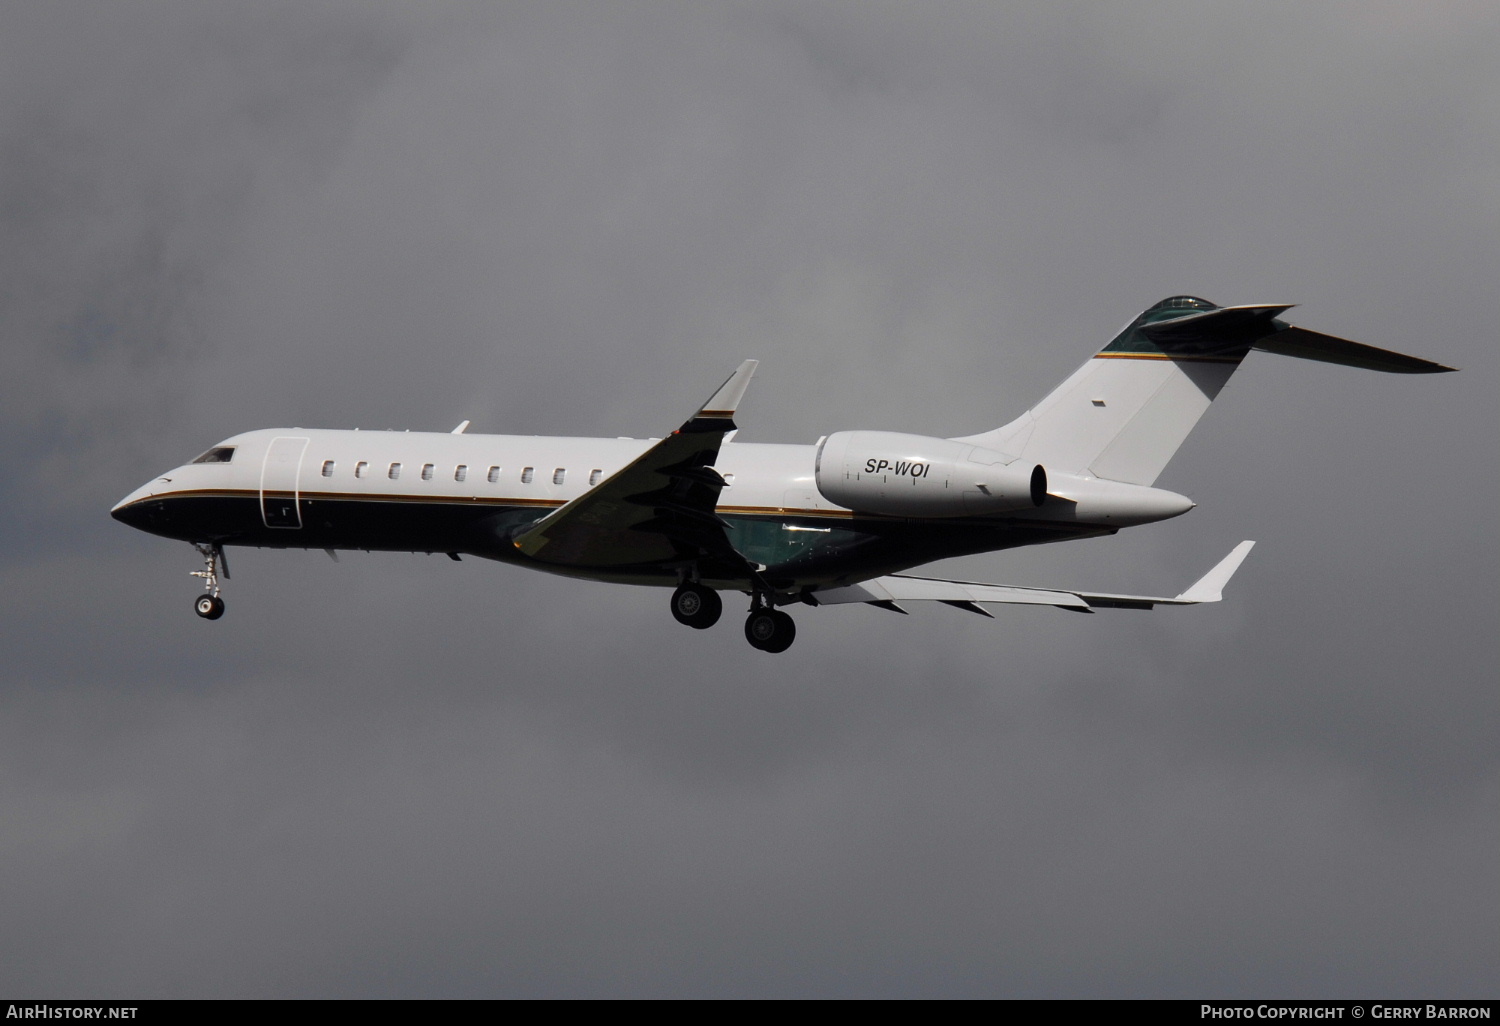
(1124, 413)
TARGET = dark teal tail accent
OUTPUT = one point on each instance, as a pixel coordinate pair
(1186, 326)
(1132, 340)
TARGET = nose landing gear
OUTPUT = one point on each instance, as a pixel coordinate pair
(209, 605)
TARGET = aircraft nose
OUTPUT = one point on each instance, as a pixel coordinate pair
(134, 516)
(134, 509)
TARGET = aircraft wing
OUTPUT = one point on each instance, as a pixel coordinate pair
(889, 592)
(659, 508)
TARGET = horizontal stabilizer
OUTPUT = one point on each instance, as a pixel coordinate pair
(1313, 345)
(1225, 330)
(887, 591)
(1213, 332)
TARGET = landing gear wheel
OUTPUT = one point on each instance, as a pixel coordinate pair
(770, 630)
(209, 605)
(696, 606)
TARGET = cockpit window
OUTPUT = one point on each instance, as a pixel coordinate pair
(218, 454)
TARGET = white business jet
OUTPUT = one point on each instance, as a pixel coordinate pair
(821, 524)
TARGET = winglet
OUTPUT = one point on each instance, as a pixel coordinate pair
(726, 400)
(1210, 587)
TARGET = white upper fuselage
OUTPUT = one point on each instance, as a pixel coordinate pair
(547, 471)
(510, 469)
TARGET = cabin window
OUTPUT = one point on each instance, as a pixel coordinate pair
(361, 468)
(427, 472)
(594, 476)
(460, 472)
(526, 475)
(394, 472)
(494, 475)
(218, 454)
(328, 468)
(559, 474)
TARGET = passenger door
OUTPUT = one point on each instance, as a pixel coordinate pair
(280, 483)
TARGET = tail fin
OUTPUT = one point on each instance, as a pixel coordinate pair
(1123, 415)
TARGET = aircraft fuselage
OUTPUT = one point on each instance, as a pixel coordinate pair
(470, 493)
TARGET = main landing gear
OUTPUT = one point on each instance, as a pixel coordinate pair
(209, 605)
(770, 630)
(766, 628)
(696, 606)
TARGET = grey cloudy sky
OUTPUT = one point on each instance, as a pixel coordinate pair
(400, 776)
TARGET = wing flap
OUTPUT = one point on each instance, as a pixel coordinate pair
(970, 595)
(899, 588)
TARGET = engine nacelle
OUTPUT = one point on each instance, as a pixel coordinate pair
(916, 476)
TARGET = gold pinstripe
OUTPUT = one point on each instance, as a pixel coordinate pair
(502, 501)
(1168, 356)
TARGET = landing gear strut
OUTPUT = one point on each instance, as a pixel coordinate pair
(209, 605)
(696, 606)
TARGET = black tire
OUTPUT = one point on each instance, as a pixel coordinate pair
(770, 630)
(210, 607)
(786, 632)
(696, 606)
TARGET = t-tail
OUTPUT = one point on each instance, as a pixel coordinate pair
(1124, 413)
